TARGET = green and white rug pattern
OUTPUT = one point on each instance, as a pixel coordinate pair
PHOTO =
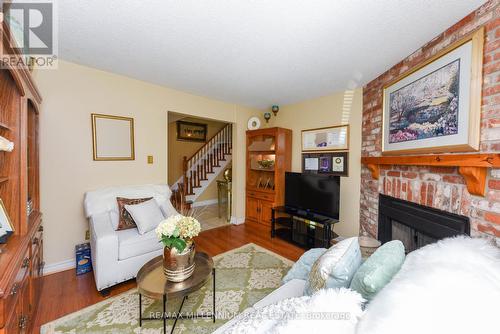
(243, 276)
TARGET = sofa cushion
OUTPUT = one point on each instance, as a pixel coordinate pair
(293, 288)
(301, 268)
(378, 270)
(126, 220)
(131, 243)
(336, 267)
(147, 215)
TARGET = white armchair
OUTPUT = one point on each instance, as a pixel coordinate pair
(118, 255)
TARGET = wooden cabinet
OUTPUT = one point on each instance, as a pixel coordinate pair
(21, 261)
(252, 208)
(268, 158)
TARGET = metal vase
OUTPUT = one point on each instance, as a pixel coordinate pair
(178, 266)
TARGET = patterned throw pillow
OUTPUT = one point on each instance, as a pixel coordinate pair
(336, 267)
(125, 219)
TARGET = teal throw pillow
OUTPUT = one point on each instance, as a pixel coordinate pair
(378, 270)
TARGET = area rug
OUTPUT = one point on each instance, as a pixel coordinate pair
(243, 276)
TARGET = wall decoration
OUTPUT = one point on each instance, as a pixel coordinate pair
(190, 131)
(267, 116)
(325, 164)
(253, 123)
(311, 164)
(113, 137)
(6, 228)
(331, 163)
(436, 106)
(275, 108)
(332, 138)
(339, 163)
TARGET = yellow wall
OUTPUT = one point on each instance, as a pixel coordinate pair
(177, 149)
(339, 108)
(71, 93)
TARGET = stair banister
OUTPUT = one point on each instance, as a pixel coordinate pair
(196, 167)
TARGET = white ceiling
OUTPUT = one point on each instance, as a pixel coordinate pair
(252, 52)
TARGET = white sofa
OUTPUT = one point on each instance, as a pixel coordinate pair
(118, 255)
(452, 286)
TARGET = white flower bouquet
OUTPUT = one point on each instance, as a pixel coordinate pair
(177, 231)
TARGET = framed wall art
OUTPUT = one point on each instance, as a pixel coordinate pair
(189, 131)
(113, 137)
(333, 138)
(330, 163)
(436, 106)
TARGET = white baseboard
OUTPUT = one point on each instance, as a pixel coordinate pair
(204, 203)
(237, 220)
(53, 268)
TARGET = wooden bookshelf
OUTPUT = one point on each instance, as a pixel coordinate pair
(21, 259)
(265, 187)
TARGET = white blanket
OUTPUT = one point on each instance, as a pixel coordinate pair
(327, 311)
(452, 286)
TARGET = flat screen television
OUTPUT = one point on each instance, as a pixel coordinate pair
(313, 193)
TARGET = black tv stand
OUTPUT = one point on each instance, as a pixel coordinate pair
(303, 228)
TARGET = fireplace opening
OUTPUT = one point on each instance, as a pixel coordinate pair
(416, 225)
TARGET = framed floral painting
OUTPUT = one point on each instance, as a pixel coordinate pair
(436, 106)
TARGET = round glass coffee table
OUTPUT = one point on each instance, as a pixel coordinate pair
(152, 283)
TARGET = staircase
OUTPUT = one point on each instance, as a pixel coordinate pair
(203, 167)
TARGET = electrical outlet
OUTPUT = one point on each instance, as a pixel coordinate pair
(150, 159)
(87, 235)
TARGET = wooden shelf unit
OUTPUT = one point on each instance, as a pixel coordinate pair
(259, 199)
(473, 167)
(21, 259)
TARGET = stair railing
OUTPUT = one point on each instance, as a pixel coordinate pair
(205, 159)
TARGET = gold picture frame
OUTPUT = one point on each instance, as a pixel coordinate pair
(468, 119)
(112, 138)
(333, 138)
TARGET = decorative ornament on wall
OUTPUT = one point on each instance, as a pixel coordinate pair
(253, 123)
(275, 108)
(267, 116)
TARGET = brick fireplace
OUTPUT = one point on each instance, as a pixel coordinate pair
(438, 187)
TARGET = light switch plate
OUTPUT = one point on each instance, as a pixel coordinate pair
(150, 159)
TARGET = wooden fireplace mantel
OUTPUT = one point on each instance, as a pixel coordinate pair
(473, 167)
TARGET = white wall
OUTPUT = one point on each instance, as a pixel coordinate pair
(339, 108)
(70, 94)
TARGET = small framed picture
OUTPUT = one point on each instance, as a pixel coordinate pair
(325, 164)
(311, 164)
(339, 163)
(189, 131)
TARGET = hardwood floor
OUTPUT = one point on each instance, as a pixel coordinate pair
(64, 292)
